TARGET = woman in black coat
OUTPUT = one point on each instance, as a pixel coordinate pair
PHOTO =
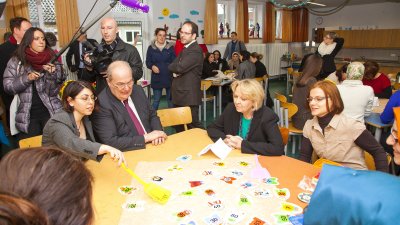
(246, 124)
(222, 64)
(209, 66)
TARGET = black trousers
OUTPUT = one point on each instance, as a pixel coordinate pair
(195, 119)
(35, 127)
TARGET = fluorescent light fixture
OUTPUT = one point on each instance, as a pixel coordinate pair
(313, 3)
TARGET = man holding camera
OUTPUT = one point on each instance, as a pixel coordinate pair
(75, 51)
(116, 49)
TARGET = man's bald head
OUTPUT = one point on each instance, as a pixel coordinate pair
(109, 30)
(120, 80)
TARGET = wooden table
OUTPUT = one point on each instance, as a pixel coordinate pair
(382, 104)
(107, 177)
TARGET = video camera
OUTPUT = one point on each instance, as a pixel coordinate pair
(100, 57)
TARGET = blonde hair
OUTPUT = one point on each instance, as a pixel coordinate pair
(252, 90)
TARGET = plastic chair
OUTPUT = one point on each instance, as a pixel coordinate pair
(277, 104)
(175, 116)
(31, 142)
(396, 86)
(287, 112)
(369, 160)
(285, 134)
(205, 85)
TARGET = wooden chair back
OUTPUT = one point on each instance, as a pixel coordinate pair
(285, 134)
(292, 108)
(280, 97)
(175, 116)
(31, 142)
(396, 86)
(205, 84)
(290, 70)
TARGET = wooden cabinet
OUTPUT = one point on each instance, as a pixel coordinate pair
(383, 38)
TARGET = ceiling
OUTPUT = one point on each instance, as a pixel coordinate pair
(333, 3)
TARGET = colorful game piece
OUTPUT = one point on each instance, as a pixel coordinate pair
(244, 200)
(271, 181)
(243, 163)
(175, 168)
(188, 223)
(228, 180)
(262, 193)
(297, 220)
(235, 217)
(257, 221)
(133, 206)
(217, 204)
(181, 215)
(282, 193)
(258, 172)
(237, 173)
(207, 173)
(209, 192)
(214, 219)
(195, 183)
(127, 190)
(304, 197)
(220, 164)
(281, 219)
(290, 208)
(188, 193)
(247, 184)
(157, 178)
(184, 158)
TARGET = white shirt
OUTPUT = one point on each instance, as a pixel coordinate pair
(357, 99)
(130, 103)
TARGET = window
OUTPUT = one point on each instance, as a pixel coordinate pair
(255, 20)
(223, 25)
(278, 25)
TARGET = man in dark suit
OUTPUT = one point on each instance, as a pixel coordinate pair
(76, 50)
(187, 69)
(125, 119)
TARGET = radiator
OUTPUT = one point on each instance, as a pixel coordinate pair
(274, 54)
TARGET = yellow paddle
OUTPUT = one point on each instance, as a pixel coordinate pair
(156, 192)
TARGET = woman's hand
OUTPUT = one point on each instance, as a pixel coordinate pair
(33, 75)
(49, 67)
(233, 141)
(155, 69)
(115, 154)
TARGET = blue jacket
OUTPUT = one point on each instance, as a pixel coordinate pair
(387, 115)
(161, 59)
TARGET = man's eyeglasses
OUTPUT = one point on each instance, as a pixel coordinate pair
(123, 85)
(317, 99)
(88, 99)
(185, 33)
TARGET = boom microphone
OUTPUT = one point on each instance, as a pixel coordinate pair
(135, 5)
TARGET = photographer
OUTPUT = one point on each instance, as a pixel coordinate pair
(111, 48)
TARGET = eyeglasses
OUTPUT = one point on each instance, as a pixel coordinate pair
(393, 133)
(88, 99)
(185, 33)
(317, 99)
(123, 85)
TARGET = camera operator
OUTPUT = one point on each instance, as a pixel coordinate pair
(111, 48)
(75, 51)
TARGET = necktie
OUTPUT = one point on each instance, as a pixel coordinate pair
(134, 119)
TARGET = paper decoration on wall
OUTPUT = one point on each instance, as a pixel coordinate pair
(160, 18)
(187, 19)
(200, 21)
(174, 16)
(194, 12)
(165, 11)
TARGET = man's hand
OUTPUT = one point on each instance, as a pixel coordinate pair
(156, 137)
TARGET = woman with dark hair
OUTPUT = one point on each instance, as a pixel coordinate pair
(36, 81)
(378, 81)
(71, 130)
(55, 181)
(159, 55)
(312, 67)
(209, 66)
(246, 68)
(261, 70)
(18, 211)
(234, 62)
(339, 75)
(334, 136)
(221, 63)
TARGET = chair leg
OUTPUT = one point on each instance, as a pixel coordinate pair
(199, 112)
(215, 106)
(294, 144)
(205, 110)
(294, 149)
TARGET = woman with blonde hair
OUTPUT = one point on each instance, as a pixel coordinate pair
(247, 124)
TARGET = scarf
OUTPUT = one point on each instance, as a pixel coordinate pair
(324, 49)
(12, 40)
(37, 60)
(110, 47)
(160, 46)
